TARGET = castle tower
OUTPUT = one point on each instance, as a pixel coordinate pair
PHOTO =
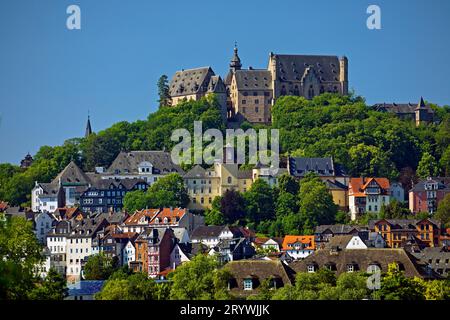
(421, 113)
(343, 74)
(235, 63)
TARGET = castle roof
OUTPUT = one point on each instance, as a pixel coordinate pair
(293, 67)
(190, 81)
(253, 79)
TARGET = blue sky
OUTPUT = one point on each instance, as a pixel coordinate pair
(50, 76)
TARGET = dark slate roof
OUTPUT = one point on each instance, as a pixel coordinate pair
(361, 259)
(127, 184)
(253, 79)
(49, 189)
(216, 85)
(294, 67)
(299, 167)
(336, 228)
(202, 232)
(190, 81)
(436, 257)
(85, 288)
(128, 162)
(196, 172)
(443, 184)
(245, 174)
(335, 185)
(404, 224)
(402, 108)
(71, 175)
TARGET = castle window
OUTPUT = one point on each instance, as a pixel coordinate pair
(256, 109)
(266, 93)
(229, 180)
(255, 93)
(244, 101)
(245, 93)
(256, 101)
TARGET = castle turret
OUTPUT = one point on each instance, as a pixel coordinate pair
(235, 63)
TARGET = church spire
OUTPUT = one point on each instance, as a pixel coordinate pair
(235, 63)
(88, 127)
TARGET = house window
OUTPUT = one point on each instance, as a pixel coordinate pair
(248, 284)
(311, 268)
(350, 268)
(229, 179)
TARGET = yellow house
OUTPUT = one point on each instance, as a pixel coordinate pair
(339, 192)
(203, 185)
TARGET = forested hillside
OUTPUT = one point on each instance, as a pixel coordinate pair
(362, 140)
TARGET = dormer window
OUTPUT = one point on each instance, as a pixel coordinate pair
(166, 220)
(248, 284)
(350, 268)
(311, 268)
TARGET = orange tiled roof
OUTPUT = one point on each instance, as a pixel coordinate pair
(135, 217)
(308, 240)
(357, 186)
(170, 214)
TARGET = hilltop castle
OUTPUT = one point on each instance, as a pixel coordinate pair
(249, 94)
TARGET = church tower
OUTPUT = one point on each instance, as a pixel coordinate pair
(88, 128)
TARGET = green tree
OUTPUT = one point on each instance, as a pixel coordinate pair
(438, 290)
(259, 202)
(287, 183)
(443, 211)
(428, 166)
(445, 162)
(370, 161)
(394, 210)
(286, 204)
(199, 279)
(316, 204)
(135, 200)
(53, 287)
(395, 286)
(99, 267)
(136, 286)
(168, 191)
(232, 206)
(163, 91)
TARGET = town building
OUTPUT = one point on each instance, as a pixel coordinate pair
(104, 195)
(194, 84)
(324, 233)
(396, 232)
(397, 192)
(57, 245)
(298, 247)
(248, 275)
(203, 185)
(26, 162)
(43, 224)
(233, 249)
(426, 195)
(249, 94)
(342, 260)
(420, 113)
(367, 195)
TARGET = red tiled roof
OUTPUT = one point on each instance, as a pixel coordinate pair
(357, 185)
(308, 240)
(135, 217)
(173, 215)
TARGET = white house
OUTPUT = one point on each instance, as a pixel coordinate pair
(298, 247)
(43, 224)
(178, 256)
(79, 247)
(397, 192)
(129, 253)
(45, 197)
(57, 245)
(367, 195)
(356, 243)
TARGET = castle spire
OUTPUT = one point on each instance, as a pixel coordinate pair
(235, 63)
(88, 127)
